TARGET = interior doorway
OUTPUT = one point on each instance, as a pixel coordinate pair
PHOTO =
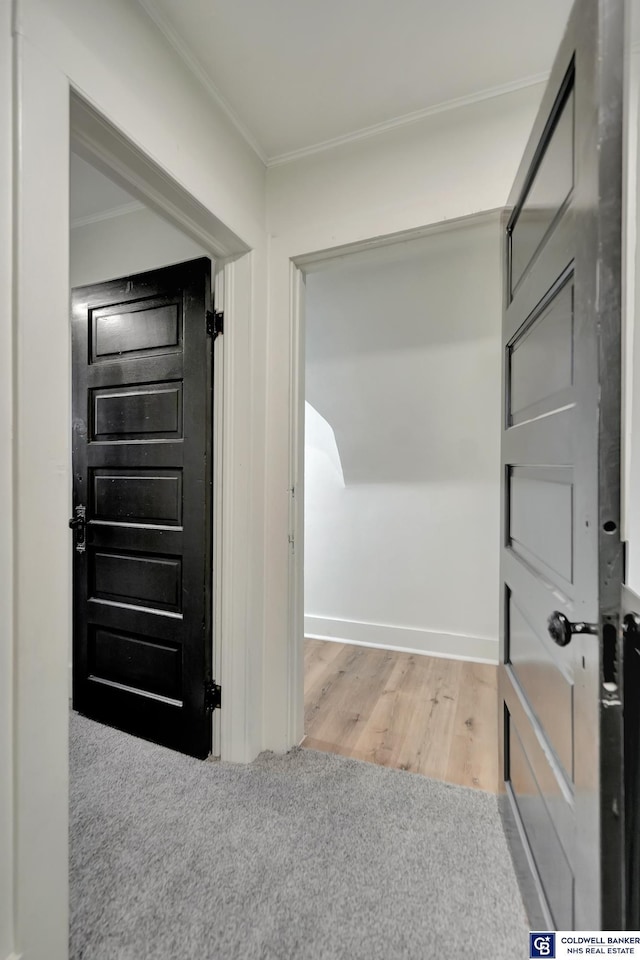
(143, 439)
(402, 494)
(124, 256)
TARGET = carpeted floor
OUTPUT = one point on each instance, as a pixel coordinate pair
(309, 856)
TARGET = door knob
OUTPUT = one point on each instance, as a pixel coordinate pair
(561, 629)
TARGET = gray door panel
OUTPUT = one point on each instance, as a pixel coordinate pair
(560, 696)
(631, 611)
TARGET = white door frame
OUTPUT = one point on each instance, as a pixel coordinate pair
(300, 266)
(47, 111)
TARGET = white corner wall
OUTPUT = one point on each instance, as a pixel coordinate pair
(403, 362)
(6, 485)
(130, 243)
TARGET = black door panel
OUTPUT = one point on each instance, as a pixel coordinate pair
(142, 464)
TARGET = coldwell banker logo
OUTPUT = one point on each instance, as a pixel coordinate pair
(542, 945)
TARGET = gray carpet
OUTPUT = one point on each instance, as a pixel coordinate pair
(309, 856)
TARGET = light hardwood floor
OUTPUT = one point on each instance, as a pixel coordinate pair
(425, 714)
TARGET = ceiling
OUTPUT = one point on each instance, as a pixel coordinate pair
(295, 74)
(92, 195)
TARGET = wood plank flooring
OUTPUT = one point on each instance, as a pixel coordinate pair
(429, 715)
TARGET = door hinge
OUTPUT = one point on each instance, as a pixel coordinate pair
(212, 695)
(215, 323)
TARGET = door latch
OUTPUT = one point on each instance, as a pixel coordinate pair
(78, 524)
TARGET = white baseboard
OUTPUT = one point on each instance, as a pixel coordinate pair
(452, 646)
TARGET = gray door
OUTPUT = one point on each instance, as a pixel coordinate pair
(560, 690)
(631, 611)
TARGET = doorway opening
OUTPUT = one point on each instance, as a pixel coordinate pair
(402, 502)
(143, 454)
(129, 220)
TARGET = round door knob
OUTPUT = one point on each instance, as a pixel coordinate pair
(560, 628)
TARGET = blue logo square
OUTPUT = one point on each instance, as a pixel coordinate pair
(542, 945)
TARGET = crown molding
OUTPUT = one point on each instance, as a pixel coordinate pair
(408, 118)
(109, 214)
(198, 71)
(364, 133)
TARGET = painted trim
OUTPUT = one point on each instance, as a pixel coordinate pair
(240, 676)
(8, 762)
(325, 259)
(432, 643)
(41, 472)
(120, 211)
(406, 119)
(14, 956)
(219, 504)
(198, 71)
(295, 654)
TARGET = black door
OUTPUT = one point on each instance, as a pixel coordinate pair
(142, 479)
(561, 646)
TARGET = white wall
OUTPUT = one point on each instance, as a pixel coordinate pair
(130, 243)
(403, 362)
(444, 167)
(6, 506)
(449, 165)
